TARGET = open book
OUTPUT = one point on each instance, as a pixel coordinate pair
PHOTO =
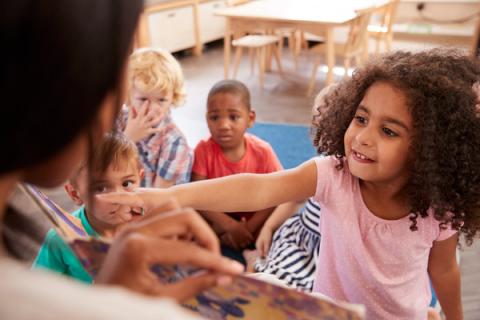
(245, 298)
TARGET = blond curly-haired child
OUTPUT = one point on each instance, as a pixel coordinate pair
(155, 85)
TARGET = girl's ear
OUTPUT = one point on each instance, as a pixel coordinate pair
(73, 194)
(251, 118)
(141, 173)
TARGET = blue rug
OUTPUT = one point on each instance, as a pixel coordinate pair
(292, 143)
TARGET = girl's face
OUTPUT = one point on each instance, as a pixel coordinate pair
(228, 118)
(377, 141)
(159, 102)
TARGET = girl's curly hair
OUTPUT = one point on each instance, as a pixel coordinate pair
(446, 130)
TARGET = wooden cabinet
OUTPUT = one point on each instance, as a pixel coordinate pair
(212, 27)
(172, 29)
(171, 25)
(176, 25)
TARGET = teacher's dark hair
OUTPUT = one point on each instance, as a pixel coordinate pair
(59, 59)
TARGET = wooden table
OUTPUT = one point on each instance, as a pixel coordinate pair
(317, 17)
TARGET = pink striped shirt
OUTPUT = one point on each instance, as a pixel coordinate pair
(365, 259)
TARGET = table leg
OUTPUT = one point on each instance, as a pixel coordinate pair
(227, 42)
(142, 37)
(269, 54)
(330, 54)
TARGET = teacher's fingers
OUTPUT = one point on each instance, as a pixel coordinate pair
(131, 199)
(176, 252)
(147, 198)
(176, 223)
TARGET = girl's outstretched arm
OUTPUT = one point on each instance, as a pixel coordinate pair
(236, 193)
(445, 275)
(249, 192)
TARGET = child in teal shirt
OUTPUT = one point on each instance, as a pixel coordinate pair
(114, 166)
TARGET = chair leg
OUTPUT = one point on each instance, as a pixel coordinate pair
(358, 60)
(346, 65)
(251, 55)
(388, 42)
(313, 79)
(238, 55)
(262, 57)
(303, 41)
(298, 48)
(276, 54)
(377, 46)
(281, 44)
(268, 57)
(292, 42)
(366, 48)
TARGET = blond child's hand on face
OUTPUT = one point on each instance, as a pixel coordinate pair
(141, 122)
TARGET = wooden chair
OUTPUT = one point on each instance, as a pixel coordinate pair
(300, 40)
(383, 31)
(354, 46)
(260, 44)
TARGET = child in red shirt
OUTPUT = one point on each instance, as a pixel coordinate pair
(230, 150)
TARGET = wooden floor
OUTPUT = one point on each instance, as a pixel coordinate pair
(283, 101)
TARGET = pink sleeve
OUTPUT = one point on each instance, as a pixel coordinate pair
(325, 175)
(200, 159)
(444, 234)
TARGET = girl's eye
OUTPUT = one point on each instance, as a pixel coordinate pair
(234, 117)
(162, 100)
(213, 118)
(360, 119)
(142, 99)
(389, 132)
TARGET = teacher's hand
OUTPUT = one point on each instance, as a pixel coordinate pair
(163, 237)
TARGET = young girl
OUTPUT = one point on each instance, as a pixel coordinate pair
(401, 179)
(156, 84)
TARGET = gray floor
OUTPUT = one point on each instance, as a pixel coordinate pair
(284, 101)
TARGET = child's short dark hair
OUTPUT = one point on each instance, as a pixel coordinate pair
(233, 87)
(446, 130)
(114, 149)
